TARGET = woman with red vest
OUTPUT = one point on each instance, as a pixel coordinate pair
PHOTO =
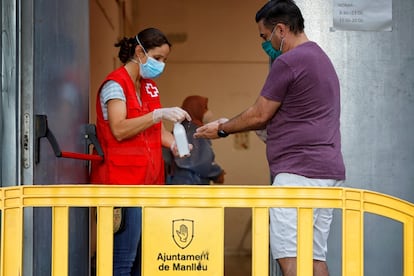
(131, 133)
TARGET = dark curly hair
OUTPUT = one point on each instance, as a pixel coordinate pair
(150, 38)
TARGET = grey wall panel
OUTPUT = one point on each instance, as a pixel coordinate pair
(377, 82)
(61, 87)
(61, 92)
(377, 86)
(45, 70)
(9, 100)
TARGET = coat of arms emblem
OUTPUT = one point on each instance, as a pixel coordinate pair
(182, 232)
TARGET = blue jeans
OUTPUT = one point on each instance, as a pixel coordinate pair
(127, 245)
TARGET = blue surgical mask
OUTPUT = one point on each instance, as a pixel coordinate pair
(268, 48)
(152, 68)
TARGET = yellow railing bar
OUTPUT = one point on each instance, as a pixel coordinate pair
(352, 243)
(12, 228)
(305, 239)
(353, 203)
(104, 241)
(260, 242)
(408, 237)
(60, 240)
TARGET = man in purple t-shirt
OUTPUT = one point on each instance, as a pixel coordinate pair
(299, 107)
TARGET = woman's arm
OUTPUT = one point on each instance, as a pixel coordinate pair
(123, 128)
(167, 138)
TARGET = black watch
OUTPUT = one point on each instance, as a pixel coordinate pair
(222, 133)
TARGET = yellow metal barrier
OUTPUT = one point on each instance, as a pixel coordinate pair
(353, 203)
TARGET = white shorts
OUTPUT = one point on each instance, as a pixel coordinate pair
(283, 221)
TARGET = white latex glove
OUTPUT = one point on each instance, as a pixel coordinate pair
(173, 114)
(174, 149)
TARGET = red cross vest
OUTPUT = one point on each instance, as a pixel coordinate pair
(137, 160)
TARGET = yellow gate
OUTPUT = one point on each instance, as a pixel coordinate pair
(184, 207)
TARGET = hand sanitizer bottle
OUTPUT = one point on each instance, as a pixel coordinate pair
(181, 140)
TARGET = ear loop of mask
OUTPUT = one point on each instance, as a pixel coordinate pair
(139, 43)
(281, 45)
(273, 32)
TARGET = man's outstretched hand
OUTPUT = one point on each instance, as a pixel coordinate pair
(209, 130)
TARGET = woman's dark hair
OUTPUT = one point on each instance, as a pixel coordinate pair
(150, 38)
(281, 11)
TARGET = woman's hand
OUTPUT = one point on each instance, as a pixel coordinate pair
(173, 114)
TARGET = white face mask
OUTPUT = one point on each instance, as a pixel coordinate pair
(208, 117)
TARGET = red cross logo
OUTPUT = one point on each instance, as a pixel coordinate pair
(151, 90)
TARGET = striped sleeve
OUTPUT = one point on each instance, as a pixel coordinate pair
(111, 90)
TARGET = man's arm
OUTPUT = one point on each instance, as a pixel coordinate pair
(255, 117)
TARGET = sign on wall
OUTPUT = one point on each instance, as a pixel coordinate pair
(362, 15)
(183, 241)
